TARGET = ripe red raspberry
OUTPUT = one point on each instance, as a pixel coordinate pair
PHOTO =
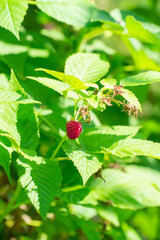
(74, 129)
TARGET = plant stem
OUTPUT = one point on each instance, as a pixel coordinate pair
(32, 2)
(79, 118)
(61, 159)
(88, 36)
(58, 147)
(75, 109)
(10, 205)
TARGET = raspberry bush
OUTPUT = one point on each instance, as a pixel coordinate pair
(79, 120)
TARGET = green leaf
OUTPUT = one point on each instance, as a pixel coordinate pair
(15, 93)
(137, 30)
(8, 97)
(73, 194)
(105, 17)
(131, 98)
(5, 158)
(109, 83)
(51, 83)
(8, 121)
(135, 147)
(87, 163)
(71, 80)
(104, 136)
(81, 211)
(73, 12)
(109, 214)
(41, 180)
(15, 86)
(130, 232)
(89, 228)
(127, 189)
(141, 79)
(141, 55)
(3, 81)
(147, 174)
(88, 67)
(12, 13)
(27, 127)
(60, 87)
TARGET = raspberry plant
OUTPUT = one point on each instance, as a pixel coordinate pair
(62, 182)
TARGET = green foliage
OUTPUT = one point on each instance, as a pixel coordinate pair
(102, 66)
(86, 162)
(131, 98)
(126, 188)
(90, 229)
(141, 79)
(133, 147)
(73, 12)
(41, 180)
(96, 138)
(136, 30)
(89, 68)
(12, 13)
(71, 80)
(5, 158)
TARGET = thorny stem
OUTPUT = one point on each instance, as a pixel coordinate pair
(58, 147)
(10, 205)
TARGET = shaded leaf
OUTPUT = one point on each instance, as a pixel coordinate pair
(27, 127)
(105, 17)
(89, 228)
(41, 180)
(5, 158)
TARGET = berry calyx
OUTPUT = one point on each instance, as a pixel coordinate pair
(73, 129)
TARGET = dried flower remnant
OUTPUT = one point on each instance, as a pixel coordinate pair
(107, 100)
(85, 114)
(117, 90)
(130, 108)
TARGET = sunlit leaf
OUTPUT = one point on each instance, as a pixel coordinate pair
(71, 80)
(141, 79)
(87, 163)
(88, 67)
(12, 13)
